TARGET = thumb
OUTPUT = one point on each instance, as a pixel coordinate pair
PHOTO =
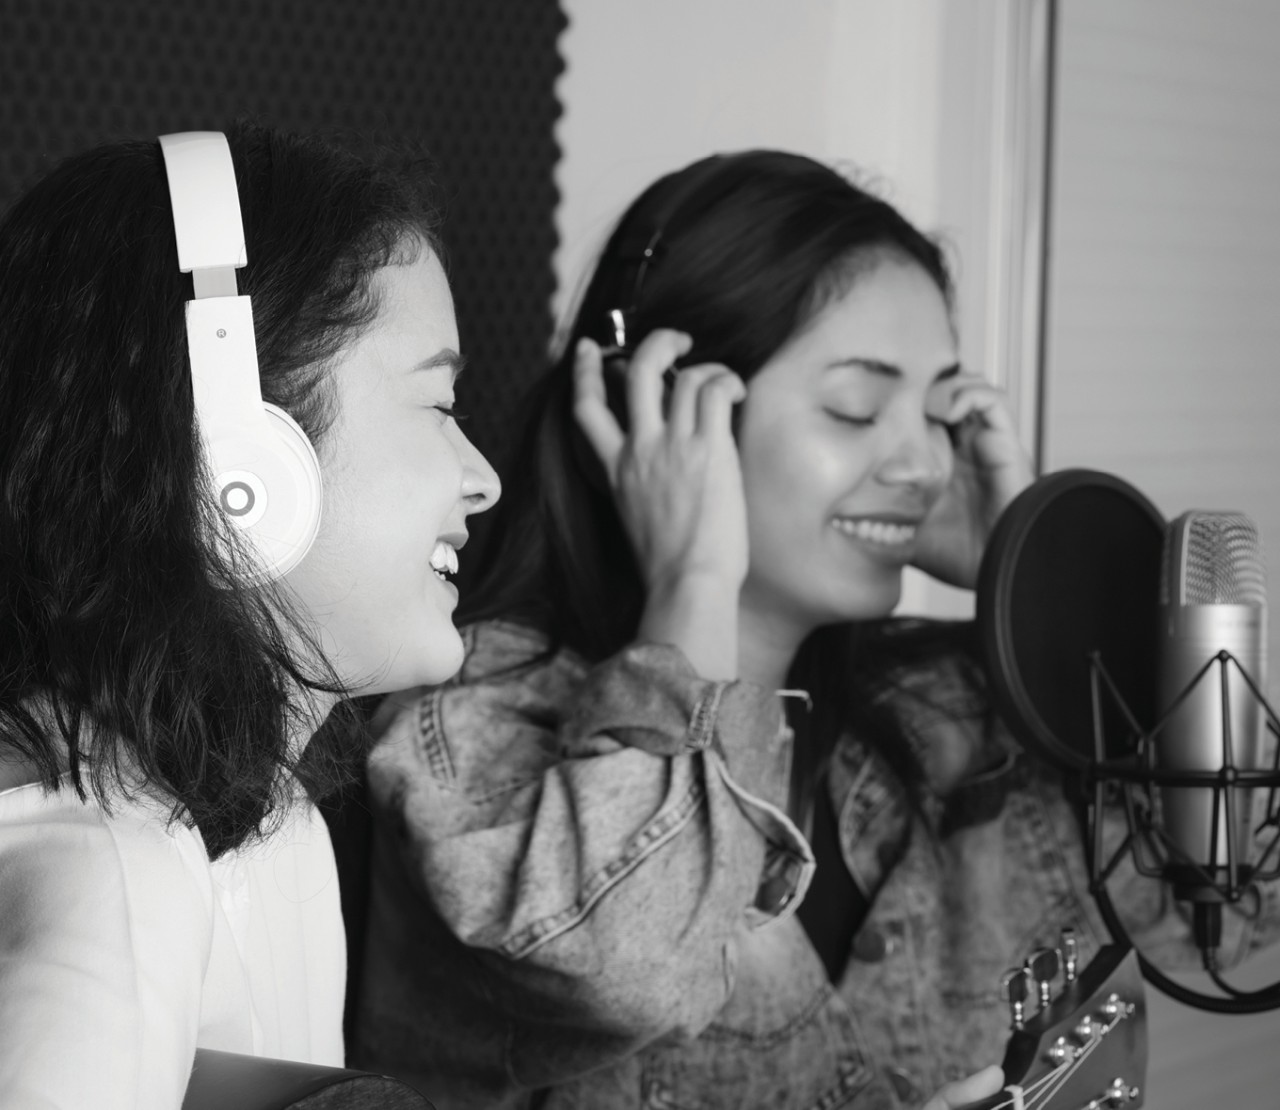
(955, 1096)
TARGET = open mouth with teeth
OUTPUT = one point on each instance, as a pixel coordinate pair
(444, 560)
(883, 533)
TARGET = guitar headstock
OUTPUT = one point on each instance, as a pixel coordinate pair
(230, 1079)
(1078, 1044)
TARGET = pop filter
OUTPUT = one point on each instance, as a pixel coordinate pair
(1072, 572)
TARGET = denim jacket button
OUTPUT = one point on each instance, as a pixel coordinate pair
(774, 894)
(904, 1086)
(870, 946)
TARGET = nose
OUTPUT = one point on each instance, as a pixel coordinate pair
(481, 487)
(919, 457)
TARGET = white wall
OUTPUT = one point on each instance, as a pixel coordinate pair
(1164, 327)
(899, 89)
(649, 87)
(1164, 342)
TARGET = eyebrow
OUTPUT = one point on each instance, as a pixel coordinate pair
(447, 359)
(888, 369)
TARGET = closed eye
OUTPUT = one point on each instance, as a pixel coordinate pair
(450, 412)
(855, 419)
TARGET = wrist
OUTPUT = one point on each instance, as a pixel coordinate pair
(698, 613)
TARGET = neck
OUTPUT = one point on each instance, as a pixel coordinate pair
(319, 704)
(767, 642)
(313, 705)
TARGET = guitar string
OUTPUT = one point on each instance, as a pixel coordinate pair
(1034, 1096)
(1060, 1077)
(1032, 1091)
(1029, 1093)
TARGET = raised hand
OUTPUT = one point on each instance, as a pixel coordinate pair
(678, 488)
(990, 469)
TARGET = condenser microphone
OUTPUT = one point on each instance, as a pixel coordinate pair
(1213, 641)
(1095, 619)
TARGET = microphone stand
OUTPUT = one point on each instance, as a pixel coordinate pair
(1194, 881)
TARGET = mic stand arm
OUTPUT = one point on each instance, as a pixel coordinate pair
(1142, 773)
(1239, 1002)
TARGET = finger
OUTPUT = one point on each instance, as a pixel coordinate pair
(977, 397)
(963, 1092)
(977, 408)
(716, 400)
(682, 411)
(590, 407)
(984, 432)
(653, 357)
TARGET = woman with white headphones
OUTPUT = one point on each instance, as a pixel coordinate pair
(228, 502)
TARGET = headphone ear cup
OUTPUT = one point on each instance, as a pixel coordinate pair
(266, 475)
(270, 487)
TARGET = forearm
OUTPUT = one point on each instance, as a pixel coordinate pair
(617, 960)
(697, 613)
(608, 868)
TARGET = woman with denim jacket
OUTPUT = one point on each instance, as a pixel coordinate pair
(594, 842)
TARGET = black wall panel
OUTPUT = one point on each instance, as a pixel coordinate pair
(470, 80)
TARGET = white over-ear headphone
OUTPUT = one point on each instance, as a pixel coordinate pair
(266, 476)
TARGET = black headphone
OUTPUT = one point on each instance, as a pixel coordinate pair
(639, 243)
(635, 249)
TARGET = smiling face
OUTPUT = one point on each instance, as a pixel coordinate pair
(844, 451)
(400, 480)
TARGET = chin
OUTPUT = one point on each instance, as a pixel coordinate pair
(441, 660)
(870, 604)
(429, 661)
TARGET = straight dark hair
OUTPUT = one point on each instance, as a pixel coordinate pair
(740, 251)
(129, 656)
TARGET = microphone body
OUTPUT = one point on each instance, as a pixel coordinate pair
(1212, 600)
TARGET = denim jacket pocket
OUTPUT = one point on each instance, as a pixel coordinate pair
(788, 860)
(785, 1039)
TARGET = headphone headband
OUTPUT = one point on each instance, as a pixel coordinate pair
(206, 210)
(639, 241)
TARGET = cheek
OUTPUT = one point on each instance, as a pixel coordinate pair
(768, 481)
(383, 510)
(793, 484)
(804, 474)
(945, 455)
(434, 486)
(406, 484)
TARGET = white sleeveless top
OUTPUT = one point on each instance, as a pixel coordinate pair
(122, 948)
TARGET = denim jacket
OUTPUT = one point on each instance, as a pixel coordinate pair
(584, 890)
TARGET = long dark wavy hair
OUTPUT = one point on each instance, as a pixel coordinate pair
(121, 638)
(739, 251)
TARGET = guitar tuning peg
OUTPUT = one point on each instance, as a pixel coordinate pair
(1014, 985)
(1070, 954)
(1042, 967)
(1118, 1094)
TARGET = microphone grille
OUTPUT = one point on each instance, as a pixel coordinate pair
(1212, 558)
